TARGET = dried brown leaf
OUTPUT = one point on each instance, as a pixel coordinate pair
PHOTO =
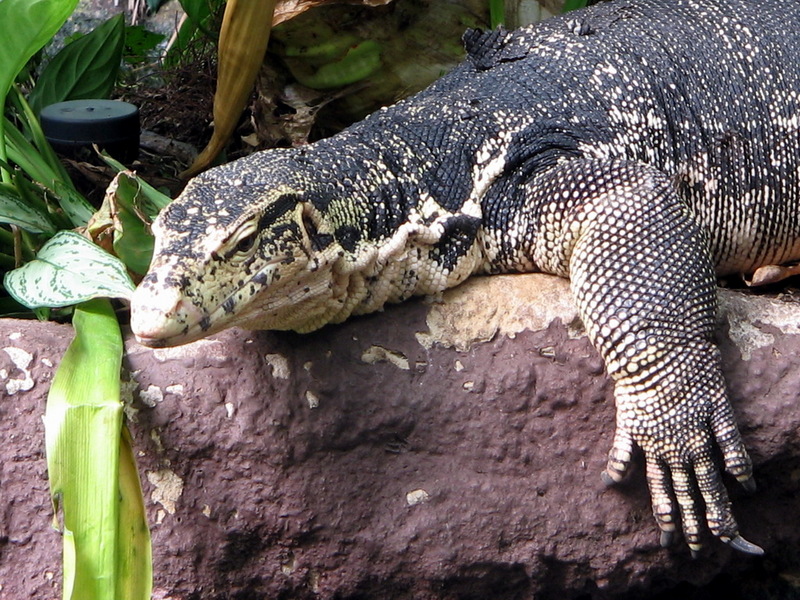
(289, 9)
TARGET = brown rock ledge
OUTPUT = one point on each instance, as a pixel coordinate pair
(437, 450)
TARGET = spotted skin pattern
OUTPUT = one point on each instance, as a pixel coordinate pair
(638, 147)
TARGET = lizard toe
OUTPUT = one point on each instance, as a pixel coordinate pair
(658, 481)
(690, 515)
(619, 458)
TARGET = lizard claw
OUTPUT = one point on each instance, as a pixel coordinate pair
(749, 485)
(607, 480)
(742, 545)
(667, 538)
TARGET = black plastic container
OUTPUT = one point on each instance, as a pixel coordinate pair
(77, 124)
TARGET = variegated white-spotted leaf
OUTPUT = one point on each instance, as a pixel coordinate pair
(16, 212)
(68, 269)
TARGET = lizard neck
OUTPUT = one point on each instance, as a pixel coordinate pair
(395, 234)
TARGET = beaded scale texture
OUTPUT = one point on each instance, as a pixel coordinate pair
(637, 147)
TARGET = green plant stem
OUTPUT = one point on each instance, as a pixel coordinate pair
(6, 175)
(497, 13)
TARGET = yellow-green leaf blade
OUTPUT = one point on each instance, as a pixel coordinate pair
(134, 554)
(83, 422)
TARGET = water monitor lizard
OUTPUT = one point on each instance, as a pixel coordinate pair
(637, 147)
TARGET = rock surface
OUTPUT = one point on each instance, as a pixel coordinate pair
(437, 450)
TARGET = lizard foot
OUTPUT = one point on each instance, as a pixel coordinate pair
(679, 451)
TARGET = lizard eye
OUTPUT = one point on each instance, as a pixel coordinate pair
(246, 243)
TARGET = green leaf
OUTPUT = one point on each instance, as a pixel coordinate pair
(154, 5)
(86, 68)
(29, 159)
(15, 211)
(133, 242)
(68, 269)
(198, 11)
(573, 5)
(93, 479)
(497, 13)
(134, 552)
(199, 20)
(139, 42)
(123, 218)
(26, 26)
(155, 200)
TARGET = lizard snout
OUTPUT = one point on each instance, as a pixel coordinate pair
(163, 317)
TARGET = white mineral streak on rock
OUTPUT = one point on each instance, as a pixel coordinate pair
(22, 360)
(376, 354)
(312, 399)
(482, 308)
(151, 396)
(127, 389)
(417, 497)
(167, 488)
(279, 364)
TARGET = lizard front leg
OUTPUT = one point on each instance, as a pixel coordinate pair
(644, 285)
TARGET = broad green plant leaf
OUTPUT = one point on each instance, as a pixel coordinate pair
(93, 481)
(154, 5)
(15, 211)
(67, 270)
(25, 26)
(197, 30)
(123, 221)
(359, 62)
(153, 200)
(86, 68)
(573, 5)
(497, 13)
(199, 11)
(139, 43)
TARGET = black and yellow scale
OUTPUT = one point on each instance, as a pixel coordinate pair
(637, 147)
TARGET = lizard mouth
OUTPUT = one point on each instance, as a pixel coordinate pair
(166, 318)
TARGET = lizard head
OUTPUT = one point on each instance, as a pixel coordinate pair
(241, 246)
